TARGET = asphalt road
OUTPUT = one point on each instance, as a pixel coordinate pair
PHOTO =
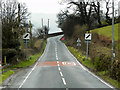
(58, 68)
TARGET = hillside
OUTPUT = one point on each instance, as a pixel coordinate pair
(107, 31)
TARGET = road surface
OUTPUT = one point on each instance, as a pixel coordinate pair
(58, 68)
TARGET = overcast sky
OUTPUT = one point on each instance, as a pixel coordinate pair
(46, 9)
(43, 6)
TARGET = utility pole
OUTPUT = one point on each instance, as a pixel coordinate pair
(30, 33)
(48, 23)
(42, 22)
(113, 54)
(48, 26)
(18, 14)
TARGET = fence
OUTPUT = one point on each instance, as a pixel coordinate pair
(3, 68)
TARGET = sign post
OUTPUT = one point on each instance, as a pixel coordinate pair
(26, 38)
(87, 40)
(78, 43)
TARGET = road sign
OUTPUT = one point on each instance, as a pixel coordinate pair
(88, 36)
(78, 40)
(26, 36)
(78, 44)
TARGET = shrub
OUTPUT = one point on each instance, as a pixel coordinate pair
(12, 55)
(115, 70)
(102, 62)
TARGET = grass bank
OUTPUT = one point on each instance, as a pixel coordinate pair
(5, 75)
(107, 31)
(89, 65)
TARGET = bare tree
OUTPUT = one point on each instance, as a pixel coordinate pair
(9, 16)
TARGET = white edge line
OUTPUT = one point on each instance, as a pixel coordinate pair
(31, 70)
(90, 71)
(64, 81)
(74, 63)
(25, 79)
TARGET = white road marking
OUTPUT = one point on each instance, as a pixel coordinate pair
(56, 58)
(25, 79)
(32, 68)
(56, 49)
(64, 81)
(2, 87)
(57, 62)
(59, 69)
(58, 65)
(63, 63)
(61, 74)
(100, 79)
(89, 71)
(74, 63)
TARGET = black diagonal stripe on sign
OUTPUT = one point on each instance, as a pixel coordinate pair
(26, 35)
(88, 36)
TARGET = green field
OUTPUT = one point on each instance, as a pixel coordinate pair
(107, 31)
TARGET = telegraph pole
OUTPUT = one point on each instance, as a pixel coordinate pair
(42, 22)
(113, 54)
(48, 27)
(18, 14)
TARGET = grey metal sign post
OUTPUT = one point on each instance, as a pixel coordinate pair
(113, 54)
(26, 38)
(87, 40)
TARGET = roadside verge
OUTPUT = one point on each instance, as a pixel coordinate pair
(23, 64)
(87, 63)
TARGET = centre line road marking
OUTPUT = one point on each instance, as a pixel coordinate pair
(58, 65)
(61, 74)
(57, 62)
(64, 81)
(59, 69)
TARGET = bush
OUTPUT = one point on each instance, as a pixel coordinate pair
(12, 55)
(115, 70)
(102, 62)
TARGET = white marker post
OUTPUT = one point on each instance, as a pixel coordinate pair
(78, 43)
(26, 38)
(87, 39)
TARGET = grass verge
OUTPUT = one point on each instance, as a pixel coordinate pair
(31, 60)
(5, 75)
(89, 65)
